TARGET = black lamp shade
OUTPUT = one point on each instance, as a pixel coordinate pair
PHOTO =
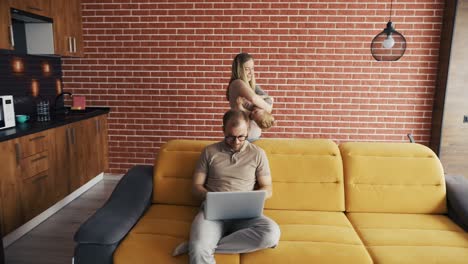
(388, 45)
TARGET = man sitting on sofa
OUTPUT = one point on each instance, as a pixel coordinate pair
(230, 165)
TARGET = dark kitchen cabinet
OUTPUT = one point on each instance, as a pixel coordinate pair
(6, 41)
(68, 34)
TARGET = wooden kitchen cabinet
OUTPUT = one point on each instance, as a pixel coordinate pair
(37, 194)
(11, 215)
(25, 181)
(78, 154)
(97, 136)
(81, 151)
(67, 26)
(103, 151)
(33, 144)
(34, 165)
(60, 161)
(88, 150)
(33, 176)
(39, 7)
(68, 36)
(40, 169)
(6, 41)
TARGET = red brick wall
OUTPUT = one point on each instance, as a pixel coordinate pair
(163, 68)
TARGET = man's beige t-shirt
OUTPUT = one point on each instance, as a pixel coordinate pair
(229, 171)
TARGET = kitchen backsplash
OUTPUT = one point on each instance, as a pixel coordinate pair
(30, 79)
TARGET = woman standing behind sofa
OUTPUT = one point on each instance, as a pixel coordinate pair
(242, 86)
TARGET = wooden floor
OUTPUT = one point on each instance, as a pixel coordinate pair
(51, 242)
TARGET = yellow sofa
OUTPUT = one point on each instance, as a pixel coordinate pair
(353, 203)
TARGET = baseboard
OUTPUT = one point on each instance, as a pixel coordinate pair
(28, 226)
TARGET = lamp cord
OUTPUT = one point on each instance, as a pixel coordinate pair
(391, 9)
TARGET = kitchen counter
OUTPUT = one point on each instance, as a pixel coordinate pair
(30, 127)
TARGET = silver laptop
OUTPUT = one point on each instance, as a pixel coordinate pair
(234, 205)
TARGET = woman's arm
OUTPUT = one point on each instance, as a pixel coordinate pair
(245, 91)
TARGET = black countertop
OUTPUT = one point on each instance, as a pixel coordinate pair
(31, 127)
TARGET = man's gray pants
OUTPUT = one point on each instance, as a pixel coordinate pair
(230, 237)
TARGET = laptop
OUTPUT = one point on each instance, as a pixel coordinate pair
(234, 205)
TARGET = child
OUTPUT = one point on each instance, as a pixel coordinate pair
(262, 118)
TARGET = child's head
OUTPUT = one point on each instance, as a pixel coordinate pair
(263, 119)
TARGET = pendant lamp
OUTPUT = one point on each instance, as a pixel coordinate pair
(388, 45)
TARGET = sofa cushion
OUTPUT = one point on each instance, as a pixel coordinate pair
(411, 238)
(303, 171)
(158, 232)
(392, 178)
(173, 172)
(307, 174)
(311, 237)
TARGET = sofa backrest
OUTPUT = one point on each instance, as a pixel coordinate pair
(173, 171)
(392, 178)
(307, 174)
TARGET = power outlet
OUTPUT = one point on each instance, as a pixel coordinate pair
(465, 119)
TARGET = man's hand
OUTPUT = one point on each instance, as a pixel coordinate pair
(198, 188)
(265, 183)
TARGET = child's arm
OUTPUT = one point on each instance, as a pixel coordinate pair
(246, 104)
(243, 105)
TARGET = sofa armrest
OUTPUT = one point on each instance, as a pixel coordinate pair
(457, 200)
(100, 235)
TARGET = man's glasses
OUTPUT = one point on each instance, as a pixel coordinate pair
(233, 138)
